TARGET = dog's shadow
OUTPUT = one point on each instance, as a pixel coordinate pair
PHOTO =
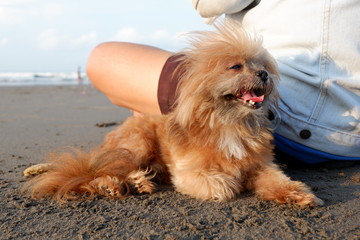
(334, 182)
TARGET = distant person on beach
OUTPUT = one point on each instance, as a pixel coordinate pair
(317, 47)
(79, 78)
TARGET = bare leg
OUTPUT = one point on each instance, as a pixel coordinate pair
(128, 74)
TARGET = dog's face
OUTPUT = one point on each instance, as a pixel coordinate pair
(241, 85)
(229, 76)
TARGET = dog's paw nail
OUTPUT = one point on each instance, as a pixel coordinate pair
(309, 200)
(316, 202)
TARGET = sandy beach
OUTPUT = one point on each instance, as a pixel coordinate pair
(36, 120)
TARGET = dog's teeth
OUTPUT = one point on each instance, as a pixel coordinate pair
(251, 102)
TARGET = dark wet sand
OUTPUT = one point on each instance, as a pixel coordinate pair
(36, 120)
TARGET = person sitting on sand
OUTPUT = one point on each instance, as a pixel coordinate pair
(316, 45)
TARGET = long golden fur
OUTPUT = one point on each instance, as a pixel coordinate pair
(213, 145)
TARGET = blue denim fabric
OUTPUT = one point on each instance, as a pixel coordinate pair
(317, 47)
(306, 154)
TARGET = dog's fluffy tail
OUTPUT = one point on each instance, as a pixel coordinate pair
(72, 174)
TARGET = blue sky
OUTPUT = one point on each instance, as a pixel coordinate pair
(49, 35)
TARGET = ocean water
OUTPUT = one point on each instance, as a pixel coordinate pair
(42, 78)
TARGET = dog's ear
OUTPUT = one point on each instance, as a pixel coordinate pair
(185, 102)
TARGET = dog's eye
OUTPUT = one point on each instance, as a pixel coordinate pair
(236, 67)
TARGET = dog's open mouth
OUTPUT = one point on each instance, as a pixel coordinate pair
(252, 98)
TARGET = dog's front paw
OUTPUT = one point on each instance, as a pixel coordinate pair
(110, 186)
(292, 192)
(272, 184)
(36, 169)
(295, 192)
(302, 199)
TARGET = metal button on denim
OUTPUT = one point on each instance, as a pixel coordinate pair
(305, 134)
(271, 115)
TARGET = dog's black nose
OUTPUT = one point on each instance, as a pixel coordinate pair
(264, 76)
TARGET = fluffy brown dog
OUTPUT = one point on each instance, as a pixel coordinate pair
(213, 145)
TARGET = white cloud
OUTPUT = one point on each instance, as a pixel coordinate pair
(169, 40)
(9, 16)
(127, 34)
(49, 39)
(160, 38)
(15, 2)
(85, 39)
(3, 41)
(53, 10)
(11, 13)
(14, 12)
(160, 35)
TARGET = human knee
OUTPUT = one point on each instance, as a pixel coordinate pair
(93, 67)
(106, 63)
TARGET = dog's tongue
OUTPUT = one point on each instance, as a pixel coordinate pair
(250, 95)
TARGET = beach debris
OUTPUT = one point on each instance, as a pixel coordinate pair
(106, 124)
(36, 169)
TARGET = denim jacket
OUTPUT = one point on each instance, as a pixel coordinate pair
(317, 46)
